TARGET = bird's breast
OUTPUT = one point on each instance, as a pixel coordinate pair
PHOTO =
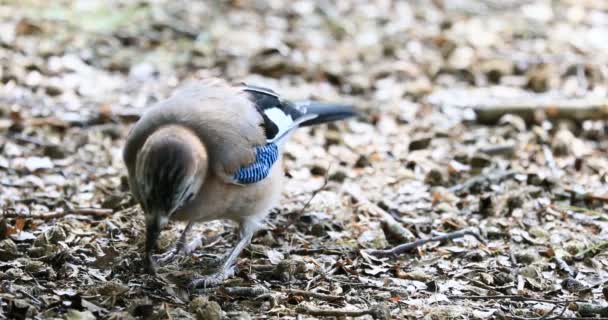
(220, 200)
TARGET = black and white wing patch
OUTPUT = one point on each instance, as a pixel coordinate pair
(280, 116)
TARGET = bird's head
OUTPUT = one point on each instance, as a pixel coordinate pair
(170, 169)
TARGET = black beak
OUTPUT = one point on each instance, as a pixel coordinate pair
(327, 112)
(152, 233)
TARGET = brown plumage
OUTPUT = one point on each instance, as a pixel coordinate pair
(184, 152)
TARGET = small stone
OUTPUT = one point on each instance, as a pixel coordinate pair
(318, 230)
(514, 202)
(533, 179)
(112, 131)
(8, 250)
(527, 256)
(362, 162)
(476, 255)
(124, 183)
(461, 157)
(494, 69)
(517, 122)
(318, 170)
(79, 315)
(539, 78)
(54, 151)
(480, 160)
(338, 176)
(486, 205)
(142, 71)
(574, 247)
(205, 309)
(53, 91)
(420, 143)
(111, 288)
(112, 201)
(461, 58)
(33, 266)
(434, 178)
(51, 236)
(381, 311)
(240, 316)
(332, 138)
(14, 273)
(573, 285)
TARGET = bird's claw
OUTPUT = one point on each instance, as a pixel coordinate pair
(168, 256)
(212, 280)
(178, 250)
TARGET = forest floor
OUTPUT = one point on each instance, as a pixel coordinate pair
(482, 124)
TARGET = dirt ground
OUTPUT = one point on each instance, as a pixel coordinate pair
(481, 124)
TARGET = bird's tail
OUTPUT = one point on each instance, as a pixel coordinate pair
(325, 112)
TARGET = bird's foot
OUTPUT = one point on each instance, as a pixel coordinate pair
(214, 279)
(180, 249)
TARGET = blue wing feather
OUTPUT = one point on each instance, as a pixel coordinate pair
(265, 157)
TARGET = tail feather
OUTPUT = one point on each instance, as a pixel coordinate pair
(326, 112)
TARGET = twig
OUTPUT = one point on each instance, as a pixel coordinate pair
(492, 177)
(406, 247)
(303, 251)
(546, 316)
(319, 276)
(591, 251)
(488, 287)
(312, 196)
(505, 149)
(316, 295)
(588, 212)
(376, 311)
(490, 104)
(589, 195)
(391, 226)
(563, 266)
(93, 212)
(590, 309)
(513, 298)
(251, 292)
(551, 161)
(27, 139)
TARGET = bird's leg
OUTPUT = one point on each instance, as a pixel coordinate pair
(228, 265)
(180, 246)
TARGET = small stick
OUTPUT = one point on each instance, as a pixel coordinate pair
(492, 177)
(376, 311)
(316, 295)
(563, 266)
(406, 247)
(592, 251)
(546, 316)
(93, 212)
(292, 220)
(303, 251)
(504, 149)
(254, 291)
(513, 298)
(390, 226)
(550, 160)
(590, 196)
(590, 309)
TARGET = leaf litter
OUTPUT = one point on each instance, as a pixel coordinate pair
(481, 149)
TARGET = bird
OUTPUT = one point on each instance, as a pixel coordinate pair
(213, 150)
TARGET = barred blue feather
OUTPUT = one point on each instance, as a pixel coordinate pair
(265, 157)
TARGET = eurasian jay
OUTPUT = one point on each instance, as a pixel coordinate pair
(213, 151)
